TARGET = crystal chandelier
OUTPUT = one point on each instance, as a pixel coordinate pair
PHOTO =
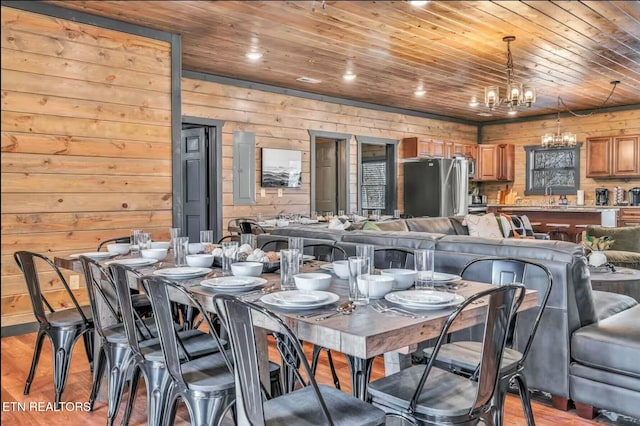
(516, 93)
(567, 139)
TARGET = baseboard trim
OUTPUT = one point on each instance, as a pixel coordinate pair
(18, 329)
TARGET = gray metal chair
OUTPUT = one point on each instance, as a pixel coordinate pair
(118, 240)
(463, 357)
(148, 359)
(430, 395)
(114, 354)
(248, 226)
(326, 252)
(205, 384)
(310, 404)
(62, 327)
(393, 257)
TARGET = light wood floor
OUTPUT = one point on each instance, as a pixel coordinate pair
(16, 359)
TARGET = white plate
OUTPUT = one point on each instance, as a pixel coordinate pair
(233, 284)
(392, 297)
(327, 267)
(182, 272)
(299, 297)
(93, 255)
(424, 297)
(134, 261)
(305, 257)
(441, 277)
(274, 300)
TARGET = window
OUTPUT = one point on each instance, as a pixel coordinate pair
(555, 168)
(374, 184)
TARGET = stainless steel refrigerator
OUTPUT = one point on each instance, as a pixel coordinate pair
(436, 187)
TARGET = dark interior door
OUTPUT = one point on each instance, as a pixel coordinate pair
(194, 157)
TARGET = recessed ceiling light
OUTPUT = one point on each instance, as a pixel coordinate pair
(254, 56)
(512, 112)
(308, 80)
(420, 92)
(349, 76)
(417, 3)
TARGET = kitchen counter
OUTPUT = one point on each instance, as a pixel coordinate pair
(561, 208)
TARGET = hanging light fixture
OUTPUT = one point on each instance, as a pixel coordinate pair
(566, 139)
(516, 94)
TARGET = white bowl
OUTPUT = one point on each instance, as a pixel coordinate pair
(119, 248)
(154, 253)
(404, 277)
(160, 244)
(379, 285)
(247, 269)
(312, 281)
(341, 269)
(200, 260)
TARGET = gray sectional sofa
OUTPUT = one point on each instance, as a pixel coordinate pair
(587, 348)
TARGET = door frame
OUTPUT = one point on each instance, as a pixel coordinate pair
(214, 177)
(392, 172)
(343, 142)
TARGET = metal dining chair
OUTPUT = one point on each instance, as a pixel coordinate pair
(117, 240)
(148, 359)
(392, 257)
(250, 227)
(310, 403)
(464, 357)
(427, 394)
(62, 327)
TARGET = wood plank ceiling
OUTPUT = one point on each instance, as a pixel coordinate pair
(453, 49)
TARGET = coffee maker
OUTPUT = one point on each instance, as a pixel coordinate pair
(634, 196)
(602, 197)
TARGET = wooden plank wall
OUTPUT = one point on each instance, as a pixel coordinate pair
(529, 133)
(283, 121)
(86, 143)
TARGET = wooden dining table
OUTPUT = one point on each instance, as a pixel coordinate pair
(361, 335)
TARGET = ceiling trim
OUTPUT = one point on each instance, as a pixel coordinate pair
(562, 115)
(317, 97)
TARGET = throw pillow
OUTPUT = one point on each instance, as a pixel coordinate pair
(483, 226)
(508, 228)
(370, 226)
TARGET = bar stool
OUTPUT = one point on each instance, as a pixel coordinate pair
(579, 232)
(559, 231)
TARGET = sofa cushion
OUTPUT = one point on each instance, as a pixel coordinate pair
(626, 259)
(392, 225)
(608, 303)
(612, 344)
(483, 226)
(369, 226)
(625, 238)
(437, 225)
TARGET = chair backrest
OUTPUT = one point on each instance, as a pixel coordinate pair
(275, 244)
(325, 251)
(250, 227)
(26, 261)
(102, 295)
(117, 240)
(503, 303)
(229, 238)
(134, 327)
(501, 271)
(241, 319)
(158, 290)
(393, 257)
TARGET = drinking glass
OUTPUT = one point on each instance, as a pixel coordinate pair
(247, 239)
(180, 250)
(396, 214)
(135, 250)
(366, 251)
(358, 271)
(376, 215)
(206, 239)
(144, 241)
(424, 264)
(173, 234)
(314, 215)
(259, 217)
(229, 253)
(328, 215)
(289, 267)
(340, 213)
(297, 243)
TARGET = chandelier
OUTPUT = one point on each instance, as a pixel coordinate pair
(567, 139)
(516, 94)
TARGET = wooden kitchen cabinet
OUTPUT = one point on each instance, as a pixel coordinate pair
(629, 217)
(429, 148)
(495, 162)
(613, 157)
(414, 148)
